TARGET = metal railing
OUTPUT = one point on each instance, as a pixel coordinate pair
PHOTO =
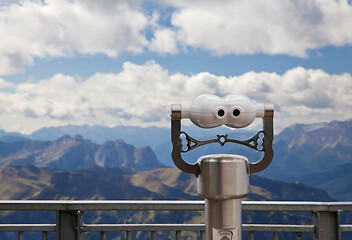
(325, 224)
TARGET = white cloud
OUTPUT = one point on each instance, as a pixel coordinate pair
(141, 95)
(272, 27)
(47, 29)
(164, 41)
(64, 28)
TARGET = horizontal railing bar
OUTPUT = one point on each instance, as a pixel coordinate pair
(345, 228)
(45, 205)
(296, 206)
(141, 227)
(277, 228)
(161, 227)
(139, 205)
(27, 227)
(193, 227)
(93, 205)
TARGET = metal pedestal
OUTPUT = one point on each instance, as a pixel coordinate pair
(223, 181)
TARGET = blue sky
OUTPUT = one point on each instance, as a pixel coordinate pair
(124, 62)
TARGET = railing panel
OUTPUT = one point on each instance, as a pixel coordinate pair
(70, 217)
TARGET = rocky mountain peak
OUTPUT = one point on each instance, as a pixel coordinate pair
(75, 152)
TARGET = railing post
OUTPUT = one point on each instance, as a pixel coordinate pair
(178, 235)
(128, 235)
(103, 235)
(20, 235)
(153, 235)
(202, 233)
(45, 235)
(251, 235)
(327, 225)
(68, 225)
(275, 235)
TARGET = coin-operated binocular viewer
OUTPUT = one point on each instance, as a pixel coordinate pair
(222, 179)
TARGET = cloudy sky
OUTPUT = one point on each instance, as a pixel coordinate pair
(124, 62)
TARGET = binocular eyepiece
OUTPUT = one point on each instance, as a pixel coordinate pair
(235, 111)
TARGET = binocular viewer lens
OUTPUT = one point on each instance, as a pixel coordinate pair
(235, 110)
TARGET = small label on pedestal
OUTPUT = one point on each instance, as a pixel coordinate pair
(225, 234)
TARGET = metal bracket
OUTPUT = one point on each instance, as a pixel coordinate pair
(192, 143)
(177, 143)
(222, 139)
(268, 152)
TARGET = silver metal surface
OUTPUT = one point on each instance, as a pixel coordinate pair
(141, 227)
(176, 111)
(68, 225)
(223, 176)
(27, 227)
(95, 205)
(150, 205)
(277, 228)
(222, 214)
(328, 225)
(222, 181)
(268, 111)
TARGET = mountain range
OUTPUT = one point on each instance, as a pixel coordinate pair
(302, 149)
(75, 152)
(137, 136)
(95, 182)
(318, 155)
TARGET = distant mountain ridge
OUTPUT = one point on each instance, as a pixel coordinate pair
(98, 134)
(94, 182)
(137, 136)
(301, 151)
(75, 153)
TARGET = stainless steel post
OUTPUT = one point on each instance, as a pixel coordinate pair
(223, 181)
(68, 225)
